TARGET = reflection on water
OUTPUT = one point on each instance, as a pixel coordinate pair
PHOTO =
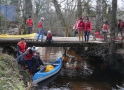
(77, 74)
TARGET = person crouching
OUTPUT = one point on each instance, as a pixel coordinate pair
(49, 37)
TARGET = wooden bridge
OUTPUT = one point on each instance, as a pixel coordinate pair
(57, 42)
(9, 45)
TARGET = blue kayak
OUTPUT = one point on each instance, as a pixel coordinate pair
(42, 74)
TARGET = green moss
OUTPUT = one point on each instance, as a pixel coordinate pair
(10, 76)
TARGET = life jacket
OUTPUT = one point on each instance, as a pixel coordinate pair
(81, 24)
(29, 55)
(87, 25)
(121, 24)
(105, 27)
(22, 46)
(49, 36)
(40, 25)
(30, 22)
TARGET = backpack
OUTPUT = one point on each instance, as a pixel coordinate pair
(29, 22)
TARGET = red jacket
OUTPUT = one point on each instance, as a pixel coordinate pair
(29, 55)
(88, 26)
(81, 25)
(22, 46)
(29, 22)
(105, 27)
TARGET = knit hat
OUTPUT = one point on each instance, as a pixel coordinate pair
(42, 18)
(22, 39)
(49, 32)
(37, 53)
(81, 18)
(87, 18)
(33, 48)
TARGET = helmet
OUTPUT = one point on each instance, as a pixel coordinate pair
(33, 48)
(42, 18)
(49, 32)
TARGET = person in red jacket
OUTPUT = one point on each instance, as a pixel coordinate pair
(105, 30)
(29, 24)
(81, 28)
(49, 37)
(88, 28)
(120, 27)
(21, 47)
(40, 29)
(29, 53)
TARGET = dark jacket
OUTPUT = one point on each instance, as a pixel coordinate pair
(36, 62)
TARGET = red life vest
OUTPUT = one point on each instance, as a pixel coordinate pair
(49, 36)
(105, 27)
(22, 46)
(121, 24)
(40, 25)
(81, 24)
(87, 25)
(29, 55)
(29, 22)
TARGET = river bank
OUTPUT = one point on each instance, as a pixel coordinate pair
(12, 76)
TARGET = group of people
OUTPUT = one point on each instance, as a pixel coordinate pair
(29, 24)
(28, 57)
(83, 28)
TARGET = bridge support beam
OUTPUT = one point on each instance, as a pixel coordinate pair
(9, 50)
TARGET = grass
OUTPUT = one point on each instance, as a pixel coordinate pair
(12, 77)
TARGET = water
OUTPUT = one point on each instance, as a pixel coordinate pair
(77, 73)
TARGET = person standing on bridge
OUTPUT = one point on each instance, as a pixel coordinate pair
(105, 30)
(88, 28)
(120, 27)
(81, 28)
(41, 29)
(75, 28)
(29, 24)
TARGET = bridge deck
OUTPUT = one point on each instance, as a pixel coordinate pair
(57, 42)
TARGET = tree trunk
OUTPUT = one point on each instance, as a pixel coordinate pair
(60, 16)
(98, 15)
(79, 9)
(112, 49)
(28, 8)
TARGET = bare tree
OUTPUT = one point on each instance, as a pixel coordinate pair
(99, 15)
(79, 9)
(59, 14)
(113, 30)
(28, 8)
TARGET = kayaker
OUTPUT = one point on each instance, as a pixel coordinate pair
(49, 37)
(37, 62)
(29, 24)
(41, 29)
(29, 53)
(21, 47)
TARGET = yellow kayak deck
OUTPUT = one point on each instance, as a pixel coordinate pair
(27, 36)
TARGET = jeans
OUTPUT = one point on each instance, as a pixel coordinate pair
(121, 31)
(41, 32)
(105, 35)
(29, 63)
(29, 30)
(86, 35)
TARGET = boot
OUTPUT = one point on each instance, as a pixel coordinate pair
(30, 71)
(25, 67)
